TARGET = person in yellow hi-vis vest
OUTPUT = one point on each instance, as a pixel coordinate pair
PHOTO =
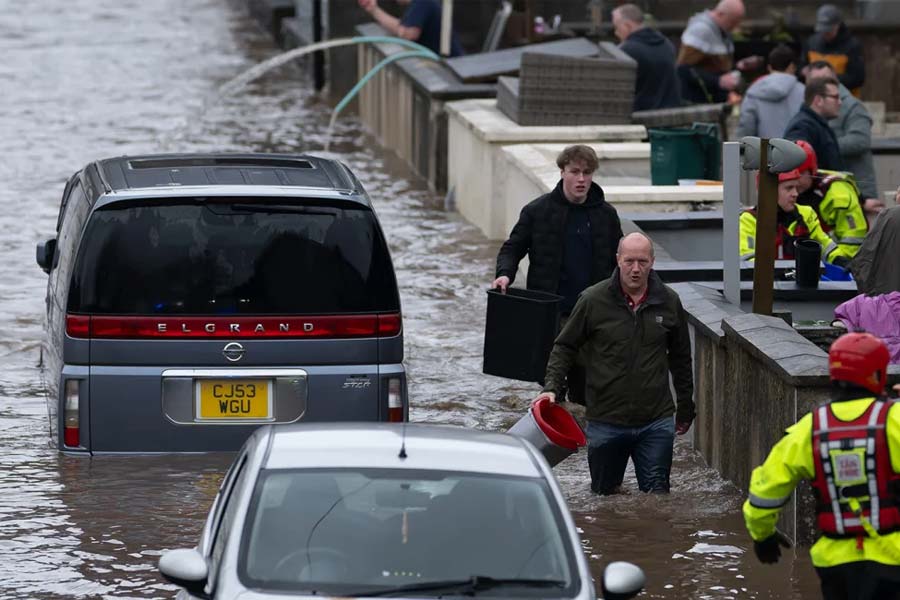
(794, 222)
(849, 450)
(835, 198)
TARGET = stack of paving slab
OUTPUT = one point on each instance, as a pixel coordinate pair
(544, 93)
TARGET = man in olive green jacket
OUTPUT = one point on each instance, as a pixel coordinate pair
(634, 332)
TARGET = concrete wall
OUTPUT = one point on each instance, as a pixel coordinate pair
(403, 105)
(754, 377)
(495, 167)
(487, 187)
(386, 104)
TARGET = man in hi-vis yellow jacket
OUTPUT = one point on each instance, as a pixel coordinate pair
(849, 449)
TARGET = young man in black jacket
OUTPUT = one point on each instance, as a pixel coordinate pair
(657, 81)
(570, 236)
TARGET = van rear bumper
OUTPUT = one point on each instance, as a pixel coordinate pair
(128, 409)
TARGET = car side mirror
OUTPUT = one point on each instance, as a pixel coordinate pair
(45, 254)
(187, 569)
(622, 580)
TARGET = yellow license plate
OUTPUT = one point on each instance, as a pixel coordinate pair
(234, 399)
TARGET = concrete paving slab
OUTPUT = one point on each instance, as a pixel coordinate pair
(486, 66)
(487, 122)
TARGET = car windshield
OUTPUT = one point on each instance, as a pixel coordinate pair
(232, 256)
(385, 532)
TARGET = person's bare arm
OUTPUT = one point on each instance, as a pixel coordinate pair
(391, 23)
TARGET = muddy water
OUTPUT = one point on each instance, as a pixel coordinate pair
(83, 79)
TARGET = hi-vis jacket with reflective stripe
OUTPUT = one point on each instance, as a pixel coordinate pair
(852, 460)
(790, 461)
(805, 226)
(836, 202)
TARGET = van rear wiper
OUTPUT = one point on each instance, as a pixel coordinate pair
(466, 587)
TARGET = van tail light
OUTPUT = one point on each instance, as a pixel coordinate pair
(395, 401)
(389, 325)
(71, 426)
(78, 326)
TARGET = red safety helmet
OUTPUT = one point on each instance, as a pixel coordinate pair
(782, 177)
(789, 176)
(810, 164)
(860, 359)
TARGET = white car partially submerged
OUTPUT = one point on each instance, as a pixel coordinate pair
(406, 511)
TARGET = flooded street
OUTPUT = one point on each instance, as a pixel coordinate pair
(84, 79)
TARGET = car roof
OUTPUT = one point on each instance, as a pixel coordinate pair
(222, 173)
(377, 445)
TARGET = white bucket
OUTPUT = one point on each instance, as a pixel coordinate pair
(552, 430)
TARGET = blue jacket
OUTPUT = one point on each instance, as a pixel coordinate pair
(808, 125)
(657, 82)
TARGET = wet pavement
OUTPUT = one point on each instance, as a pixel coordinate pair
(84, 79)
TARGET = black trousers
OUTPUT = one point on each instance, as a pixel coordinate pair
(862, 580)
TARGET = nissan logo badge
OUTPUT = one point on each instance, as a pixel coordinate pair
(233, 352)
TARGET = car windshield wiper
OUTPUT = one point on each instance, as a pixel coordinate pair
(469, 587)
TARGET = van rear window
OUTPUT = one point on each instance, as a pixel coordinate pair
(240, 256)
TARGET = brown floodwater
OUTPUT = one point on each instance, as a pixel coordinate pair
(84, 79)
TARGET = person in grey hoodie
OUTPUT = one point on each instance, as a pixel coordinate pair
(853, 129)
(773, 99)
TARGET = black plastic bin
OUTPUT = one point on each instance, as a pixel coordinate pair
(519, 332)
(807, 255)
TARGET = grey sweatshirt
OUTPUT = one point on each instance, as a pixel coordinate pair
(769, 104)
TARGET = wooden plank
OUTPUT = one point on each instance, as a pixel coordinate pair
(490, 65)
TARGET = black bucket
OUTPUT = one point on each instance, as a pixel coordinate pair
(519, 332)
(807, 255)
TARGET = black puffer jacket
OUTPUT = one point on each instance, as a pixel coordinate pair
(540, 234)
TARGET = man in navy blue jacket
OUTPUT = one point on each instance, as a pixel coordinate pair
(421, 23)
(822, 102)
(657, 81)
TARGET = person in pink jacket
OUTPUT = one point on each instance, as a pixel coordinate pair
(878, 315)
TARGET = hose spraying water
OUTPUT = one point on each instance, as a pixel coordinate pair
(416, 51)
(362, 82)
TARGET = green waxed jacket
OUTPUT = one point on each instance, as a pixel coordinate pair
(628, 354)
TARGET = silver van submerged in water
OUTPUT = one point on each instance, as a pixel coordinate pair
(194, 297)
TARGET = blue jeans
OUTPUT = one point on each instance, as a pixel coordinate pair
(649, 447)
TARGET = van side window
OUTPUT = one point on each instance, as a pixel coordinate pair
(67, 193)
(74, 214)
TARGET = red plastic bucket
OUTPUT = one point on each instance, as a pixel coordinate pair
(551, 429)
(558, 425)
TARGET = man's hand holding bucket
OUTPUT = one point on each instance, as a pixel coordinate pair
(550, 396)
